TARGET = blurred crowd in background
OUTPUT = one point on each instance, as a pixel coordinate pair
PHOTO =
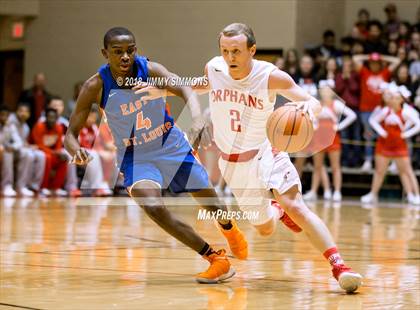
(34, 161)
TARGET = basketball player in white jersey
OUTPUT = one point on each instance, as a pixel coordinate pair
(242, 97)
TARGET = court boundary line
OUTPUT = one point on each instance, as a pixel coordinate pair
(17, 306)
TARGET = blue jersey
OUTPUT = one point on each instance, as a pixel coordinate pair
(133, 122)
(149, 146)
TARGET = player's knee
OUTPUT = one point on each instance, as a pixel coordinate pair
(145, 188)
(154, 210)
(147, 194)
(295, 208)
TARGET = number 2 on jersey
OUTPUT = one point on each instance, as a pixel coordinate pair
(235, 120)
(142, 122)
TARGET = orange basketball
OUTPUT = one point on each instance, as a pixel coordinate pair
(289, 129)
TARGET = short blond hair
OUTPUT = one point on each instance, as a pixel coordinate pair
(237, 29)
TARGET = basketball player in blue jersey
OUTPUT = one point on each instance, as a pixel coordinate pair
(153, 154)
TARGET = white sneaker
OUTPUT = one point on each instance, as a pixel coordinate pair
(327, 194)
(367, 166)
(310, 196)
(393, 168)
(369, 198)
(26, 192)
(8, 191)
(409, 197)
(45, 192)
(60, 192)
(413, 199)
(348, 280)
(337, 196)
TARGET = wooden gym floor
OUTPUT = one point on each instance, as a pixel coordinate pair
(106, 254)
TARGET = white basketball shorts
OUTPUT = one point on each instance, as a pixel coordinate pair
(251, 181)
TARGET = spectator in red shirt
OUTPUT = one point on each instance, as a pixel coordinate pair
(347, 87)
(70, 185)
(372, 76)
(48, 136)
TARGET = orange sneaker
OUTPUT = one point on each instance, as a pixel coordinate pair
(236, 239)
(219, 269)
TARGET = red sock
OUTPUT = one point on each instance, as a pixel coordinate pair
(333, 256)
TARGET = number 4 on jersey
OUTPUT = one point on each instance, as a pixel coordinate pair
(142, 122)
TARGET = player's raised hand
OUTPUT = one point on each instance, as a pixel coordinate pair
(151, 92)
(82, 157)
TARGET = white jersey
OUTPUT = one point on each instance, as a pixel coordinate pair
(239, 111)
(239, 108)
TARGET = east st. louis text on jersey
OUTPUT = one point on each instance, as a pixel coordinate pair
(135, 121)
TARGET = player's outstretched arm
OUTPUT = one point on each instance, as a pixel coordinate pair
(186, 92)
(87, 97)
(282, 84)
(172, 86)
(201, 86)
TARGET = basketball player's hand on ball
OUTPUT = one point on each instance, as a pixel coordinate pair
(306, 107)
(82, 157)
